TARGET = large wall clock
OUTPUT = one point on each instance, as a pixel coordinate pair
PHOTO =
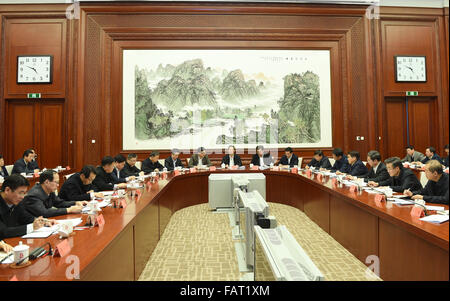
(34, 69)
(410, 68)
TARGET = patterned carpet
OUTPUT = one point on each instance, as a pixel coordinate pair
(197, 245)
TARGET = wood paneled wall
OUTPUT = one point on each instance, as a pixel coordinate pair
(88, 57)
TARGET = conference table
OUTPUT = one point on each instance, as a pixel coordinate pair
(406, 247)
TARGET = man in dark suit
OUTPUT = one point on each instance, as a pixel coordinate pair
(79, 186)
(340, 161)
(119, 165)
(41, 199)
(430, 154)
(173, 161)
(355, 167)
(412, 155)
(104, 179)
(14, 219)
(436, 190)
(33, 163)
(261, 158)
(289, 158)
(200, 158)
(231, 158)
(3, 171)
(319, 160)
(378, 172)
(446, 159)
(23, 164)
(401, 178)
(151, 164)
(130, 168)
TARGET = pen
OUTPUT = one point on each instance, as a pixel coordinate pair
(6, 257)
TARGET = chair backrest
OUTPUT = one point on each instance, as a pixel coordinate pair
(9, 168)
(139, 164)
(332, 161)
(68, 176)
(300, 160)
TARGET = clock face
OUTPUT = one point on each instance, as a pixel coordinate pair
(410, 69)
(34, 69)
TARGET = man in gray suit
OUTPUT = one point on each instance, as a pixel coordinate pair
(413, 155)
(200, 157)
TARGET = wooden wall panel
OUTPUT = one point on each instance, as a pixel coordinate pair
(51, 134)
(395, 124)
(19, 136)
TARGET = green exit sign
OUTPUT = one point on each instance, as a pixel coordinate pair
(34, 95)
(412, 93)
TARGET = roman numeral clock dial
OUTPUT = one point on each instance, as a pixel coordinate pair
(410, 68)
(34, 69)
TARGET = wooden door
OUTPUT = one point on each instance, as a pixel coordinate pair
(395, 127)
(422, 118)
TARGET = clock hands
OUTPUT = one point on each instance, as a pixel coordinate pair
(32, 69)
(410, 68)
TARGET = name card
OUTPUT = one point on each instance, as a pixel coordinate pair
(294, 170)
(379, 198)
(176, 172)
(353, 188)
(100, 220)
(14, 278)
(254, 167)
(123, 203)
(319, 177)
(309, 172)
(234, 167)
(417, 211)
(212, 168)
(334, 181)
(192, 170)
(63, 248)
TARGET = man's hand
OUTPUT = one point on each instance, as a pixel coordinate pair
(122, 185)
(38, 223)
(142, 173)
(98, 195)
(74, 209)
(407, 192)
(81, 203)
(156, 170)
(372, 184)
(417, 197)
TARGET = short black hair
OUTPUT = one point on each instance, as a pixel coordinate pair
(354, 154)
(47, 175)
(432, 149)
(14, 181)
(107, 160)
(131, 156)
(445, 147)
(288, 149)
(1, 156)
(318, 153)
(87, 170)
(374, 155)
(395, 161)
(119, 158)
(338, 152)
(409, 146)
(154, 154)
(27, 153)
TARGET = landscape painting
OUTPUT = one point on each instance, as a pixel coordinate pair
(213, 98)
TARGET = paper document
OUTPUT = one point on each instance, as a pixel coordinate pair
(6, 261)
(74, 221)
(400, 201)
(435, 208)
(38, 234)
(435, 218)
(107, 193)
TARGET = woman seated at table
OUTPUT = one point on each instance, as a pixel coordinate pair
(231, 158)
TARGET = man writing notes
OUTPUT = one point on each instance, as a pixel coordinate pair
(14, 219)
(412, 155)
(319, 160)
(173, 161)
(151, 164)
(104, 179)
(79, 186)
(400, 179)
(378, 171)
(200, 158)
(430, 154)
(436, 189)
(24, 164)
(289, 158)
(41, 199)
(261, 158)
(231, 158)
(355, 167)
(130, 168)
(340, 161)
(120, 176)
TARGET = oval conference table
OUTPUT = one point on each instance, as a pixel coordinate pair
(407, 248)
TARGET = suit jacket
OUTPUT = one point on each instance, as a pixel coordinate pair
(3, 172)
(73, 189)
(236, 159)
(380, 176)
(38, 203)
(435, 157)
(323, 163)
(405, 180)
(118, 176)
(284, 160)
(148, 166)
(103, 181)
(267, 159)
(33, 165)
(435, 192)
(20, 166)
(357, 169)
(168, 163)
(445, 160)
(129, 170)
(340, 165)
(416, 157)
(14, 221)
(193, 161)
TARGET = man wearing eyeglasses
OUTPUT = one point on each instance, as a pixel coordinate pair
(41, 200)
(79, 186)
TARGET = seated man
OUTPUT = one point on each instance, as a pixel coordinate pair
(231, 158)
(41, 199)
(3, 171)
(104, 179)
(319, 160)
(151, 164)
(14, 219)
(430, 154)
(340, 161)
(34, 164)
(436, 190)
(261, 158)
(200, 158)
(400, 179)
(120, 177)
(173, 161)
(378, 172)
(79, 186)
(412, 155)
(23, 165)
(355, 167)
(289, 158)
(130, 168)
(446, 159)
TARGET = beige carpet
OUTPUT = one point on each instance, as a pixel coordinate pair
(197, 245)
